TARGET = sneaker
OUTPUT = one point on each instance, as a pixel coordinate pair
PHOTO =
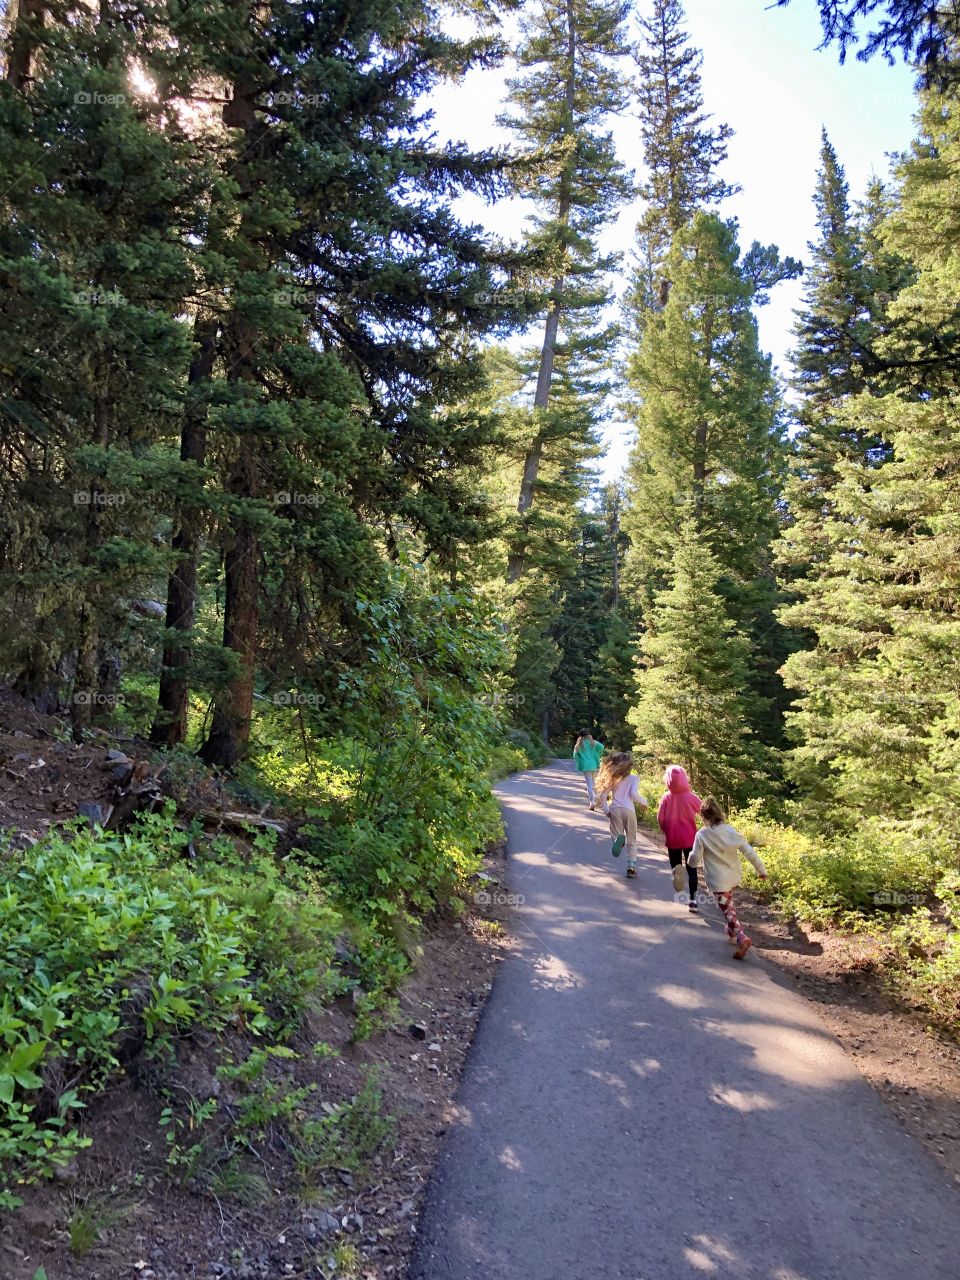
(618, 844)
(742, 950)
(591, 807)
(631, 869)
(692, 905)
(679, 878)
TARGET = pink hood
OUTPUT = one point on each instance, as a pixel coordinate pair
(678, 809)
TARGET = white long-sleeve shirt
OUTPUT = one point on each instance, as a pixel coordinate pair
(717, 849)
(627, 792)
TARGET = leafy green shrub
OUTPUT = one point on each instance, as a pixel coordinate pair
(824, 878)
(108, 942)
(533, 749)
(922, 957)
(506, 759)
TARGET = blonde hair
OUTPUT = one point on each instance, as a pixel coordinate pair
(612, 769)
(712, 811)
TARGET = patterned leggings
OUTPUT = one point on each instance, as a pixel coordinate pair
(734, 927)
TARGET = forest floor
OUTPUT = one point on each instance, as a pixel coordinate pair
(119, 1197)
(116, 1205)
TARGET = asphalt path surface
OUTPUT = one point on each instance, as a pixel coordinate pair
(638, 1104)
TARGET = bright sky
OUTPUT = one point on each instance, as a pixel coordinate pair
(763, 75)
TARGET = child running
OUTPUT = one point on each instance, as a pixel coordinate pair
(677, 816)
(586, 756)
(719, 846)
(617, 783)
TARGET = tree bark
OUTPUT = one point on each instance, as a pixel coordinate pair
(86, 684)
(517, 560)
(170, 720)
(229, 734)
(701, 439)
(21, 40)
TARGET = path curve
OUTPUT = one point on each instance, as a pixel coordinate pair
(637, 1105)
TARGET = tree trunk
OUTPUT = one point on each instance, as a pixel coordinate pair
(615, 568)
(230, 731)
(701, 439)
(24, 18)
(170, 721)
(86, 684)
(517, 560)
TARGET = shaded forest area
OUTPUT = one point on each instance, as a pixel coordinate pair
(299, 494)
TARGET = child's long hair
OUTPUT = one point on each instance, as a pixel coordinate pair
(612, 769)
(712, 811)
(584, 733)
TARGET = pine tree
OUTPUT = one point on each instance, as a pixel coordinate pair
(299, 314)
(558, 110)
(705, 407)
(100, 203)
(835, 359)
(833, 354)
(924, 34)
(876, 720)
(693, 704)
(844, 333)
(339, 341)
(681, 153)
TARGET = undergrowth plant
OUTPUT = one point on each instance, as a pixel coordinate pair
(114, 943)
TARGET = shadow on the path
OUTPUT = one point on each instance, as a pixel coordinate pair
(625, 1058)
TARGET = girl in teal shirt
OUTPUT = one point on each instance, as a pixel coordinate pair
(586, 756)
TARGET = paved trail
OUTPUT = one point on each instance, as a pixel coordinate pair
(639, 1105)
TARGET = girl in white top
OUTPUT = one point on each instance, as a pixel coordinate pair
(718, 847)
(618, 790)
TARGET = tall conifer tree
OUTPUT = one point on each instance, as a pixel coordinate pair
(682, 153)
(876, 723)
(559, 109)
(693, 701)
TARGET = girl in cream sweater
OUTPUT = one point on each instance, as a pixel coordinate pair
(717, 848)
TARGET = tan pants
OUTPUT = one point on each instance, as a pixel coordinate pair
(623, 822)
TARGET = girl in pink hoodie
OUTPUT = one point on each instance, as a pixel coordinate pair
(677, 818)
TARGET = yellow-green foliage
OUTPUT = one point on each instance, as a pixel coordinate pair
(880, 867)
(898, 882)
(923, 956)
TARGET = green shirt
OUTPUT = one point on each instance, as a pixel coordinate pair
(587, 759)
